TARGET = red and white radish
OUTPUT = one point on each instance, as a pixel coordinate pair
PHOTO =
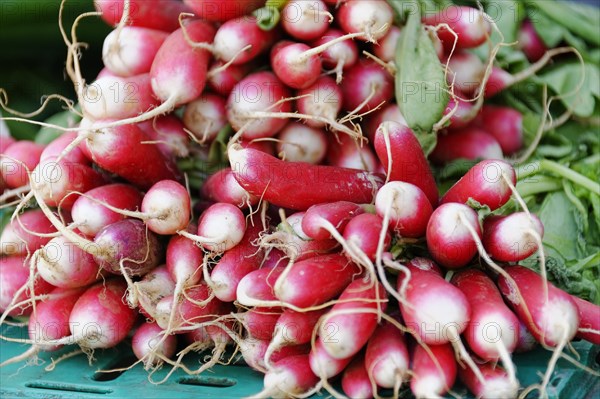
(130, 50)
(386, 358)
(305, 20)
(26, 233)
(355, 381)
(513, 237)
(407, 207)
(301, 143)
(205, 116)
(434, 370)
(373, 17)
(223, 187)
(149, 347)
(471, 143)
(466, 27)
(211, 234)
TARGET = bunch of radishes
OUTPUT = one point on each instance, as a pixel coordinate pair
(293, 254)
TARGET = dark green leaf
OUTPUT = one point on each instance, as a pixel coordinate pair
(577, 95)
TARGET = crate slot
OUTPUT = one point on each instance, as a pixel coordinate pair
(119, 364)
(216, 382)
(58, 386)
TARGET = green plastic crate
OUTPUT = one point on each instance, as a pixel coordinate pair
(74, 378)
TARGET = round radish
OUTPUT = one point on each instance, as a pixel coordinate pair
(409, 208)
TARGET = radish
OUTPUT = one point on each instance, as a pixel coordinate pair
(589, 320)
(461, 113)
(17, 161)
(222, 78)
(389, 112)
(56, 147)
(526, 341)
(91, 216)
(505, 124)
(323, 100)
(471, 143)
(166, 207)
(169, 134)
(26, 233)
(253, 352)
(256, 287)
(155, 14)
(354, 318)
(198, 306)
(290, 376)
(323, 364)
(408, 208)
(345, 152)
(301, 143)
(153, 287)
(223, 10)
(341, 55)
(434, 370)
(403, 159)
(512, 238)
(497, 384)
(63, 264)
(373, 17)
(258, 91)
(530, 42)
(466, 71)
(385, 48)
(486, 183)
(305, 20)
(130, 50)
(266, 176)
(240, 40)
(223, 187)
(366, 84)
(386, 357)
(148, 346)
(362, 233)
(449, 240)
(205, 116)
(470, 25)
(493, 330)
(355, 381)
(260, 322)
(296, 65)
(435, 310)
(321, 220)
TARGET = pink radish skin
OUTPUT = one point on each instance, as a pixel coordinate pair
(471, 143)
(338, 214)
(118, 98)
(408, 161)
(363, 231)
(257, 287)
(295, 328)
(168, 132)
(253, 352)
(56, 147)
(505, 124)
(305, 20)
(374, 17)
(385, 48)
(147, 342)
(530, 42)
(466, 72)
(187, 312)
(511, 238)
(388, 112)
(258, 91)
(290, 376)
(120, 150)
(100, 317)
(356, 324)
(152, 288)
(223, 10)
(14, 274)
(17, 160)
(449, 241)
(131, 50)
(295, 289)
(497, 383)
(355, 381)
(155, 14)
(294, 68)
(553, 322)
(222, 81)
(341, 55)
(468, 23)
(211, 229)
(323, 99)
(223, 187)
(367, 79)
(235, 34)
(282, 183)
(167, 204)
(236, 263)
(433, 378)
(178, 72)
(589, 318)
(296, 243)
(492, 322)
(386, 357)
(345, 152)
(127, 240)
(484, 183)
(410, 209)
(260, 322)
(184, 260)
(91, 216)
(439, 311)
(63, 264)
(19, 236)
(323, 364)
(301, 143)
(462, 116)
(499, 80)
(205, 116)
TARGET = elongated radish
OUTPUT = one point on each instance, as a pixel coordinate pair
(354, 318)
(223, 10)
(55, 148)
(184, 260)
(253, 352)
(323, 364)
(63, 264)
(212, 235)
(260, 322)
(223, 187)
(198, 306)
(281, 183)
(403, 159)
(486, 183)
(290, 376)
(373, 17)
(130, 50)
(148, 345)
(305, 20)
(497, 383)
(362, 232)
(434, 370)
(322, 99)
(321, 218)
(366, 85)
(91, 216)
(155, 14)
(355, 381)
(467, 27)
(301, 143)
(435, 310)
(513, 237)
(386, 357)
(26, 233)
(205, 116)
(470, 143)
(505, 124)
(151, 289)
(409, 208)
(256, 287)
(492, 323)
(17, 161)
(16, 288)
(449, 240)
(589, 320)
